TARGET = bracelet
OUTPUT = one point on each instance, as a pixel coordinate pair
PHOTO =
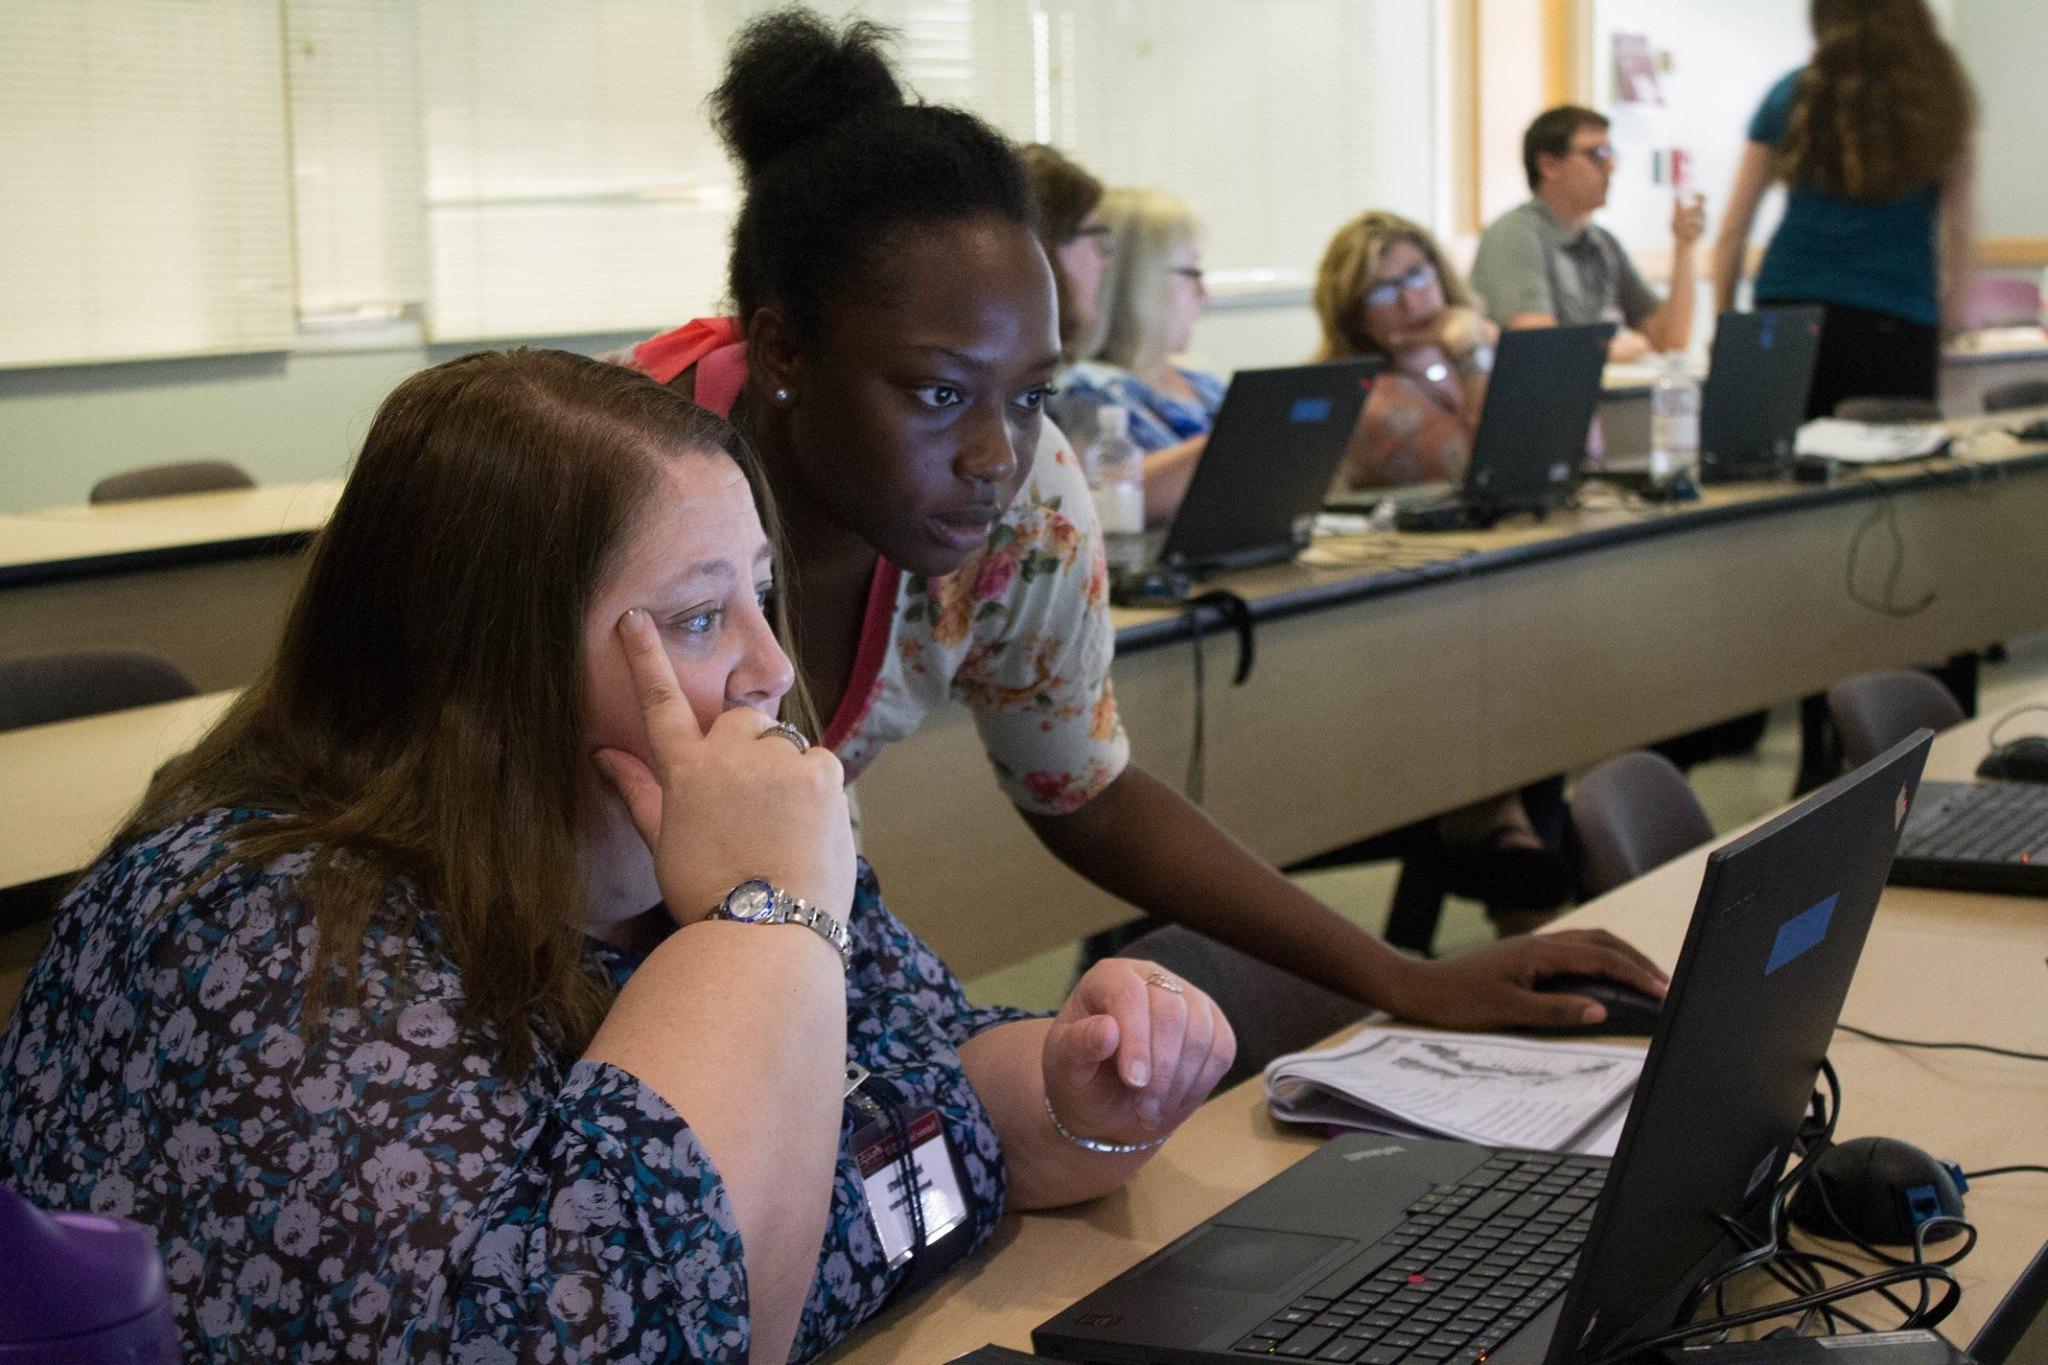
(1094, 1145)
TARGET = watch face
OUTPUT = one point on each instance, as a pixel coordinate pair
(751, 901)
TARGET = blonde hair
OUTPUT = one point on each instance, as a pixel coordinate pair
(1148, 227)
(1347, 272)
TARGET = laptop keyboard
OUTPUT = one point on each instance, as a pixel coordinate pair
(1473, 1263)
(1985, 822)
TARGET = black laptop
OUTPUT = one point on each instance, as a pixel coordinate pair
(1531, 439)
(1271, 455)
(2016, 1333)
(1377, 1250)
(1755, 395)
(1977, 836)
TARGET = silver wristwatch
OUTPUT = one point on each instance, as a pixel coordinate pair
(759, 902)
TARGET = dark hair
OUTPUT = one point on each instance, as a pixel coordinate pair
(1552, 132)
(1062, 197)
(421, 721)
(832, 157)
(1884, 108)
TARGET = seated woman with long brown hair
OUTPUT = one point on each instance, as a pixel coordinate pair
(497, 979)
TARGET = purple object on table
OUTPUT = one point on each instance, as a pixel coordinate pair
(80, 1289)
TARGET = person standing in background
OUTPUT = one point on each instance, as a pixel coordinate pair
(1873, 140)
(1548, 264)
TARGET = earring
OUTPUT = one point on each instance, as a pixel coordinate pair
(782, 395)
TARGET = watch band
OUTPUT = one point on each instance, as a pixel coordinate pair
(756, 901)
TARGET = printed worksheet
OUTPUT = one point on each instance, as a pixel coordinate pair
(1484, 1088)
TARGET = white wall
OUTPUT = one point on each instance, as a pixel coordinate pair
(2004, 43)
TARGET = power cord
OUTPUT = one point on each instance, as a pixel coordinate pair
(1943, 1046)
(1885, 514)
(1998, 726)
(2004, 1170)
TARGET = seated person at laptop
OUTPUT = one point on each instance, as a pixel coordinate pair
(1384, 288)
(895, 339)
(387, 1044)
(1547, 262)
(1066, 213)
(1147, 312)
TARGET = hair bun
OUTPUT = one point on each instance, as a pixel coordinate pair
(792, 77)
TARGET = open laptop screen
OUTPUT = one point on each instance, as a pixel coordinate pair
(2016, 1333)
(1773, 942)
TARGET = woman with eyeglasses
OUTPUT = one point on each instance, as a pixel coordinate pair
(1385, 289)
(1153, 293)
(1066, 214)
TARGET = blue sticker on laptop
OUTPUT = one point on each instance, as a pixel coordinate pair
(1802, 933)
(1309, 410)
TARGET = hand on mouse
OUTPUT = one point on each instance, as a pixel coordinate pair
(1495, 986)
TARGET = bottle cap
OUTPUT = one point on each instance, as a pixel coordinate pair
(81, 1287)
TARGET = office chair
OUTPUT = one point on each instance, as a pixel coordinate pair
(2021, 393)
(1874, 711)
(1272, 1012)
(1630, 814)
(167, 480)
(1887, 410)
(40, 689)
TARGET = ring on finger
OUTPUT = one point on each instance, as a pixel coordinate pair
(782, 729)
(1163, 982)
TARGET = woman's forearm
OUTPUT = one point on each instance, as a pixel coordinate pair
(1006, 1067)
(742, 1029)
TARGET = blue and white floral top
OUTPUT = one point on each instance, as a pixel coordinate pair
(385, 1188)
(1158, 419)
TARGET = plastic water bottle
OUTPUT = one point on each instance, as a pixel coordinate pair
(1675, 425)
(1116, 476)
(81, 1288)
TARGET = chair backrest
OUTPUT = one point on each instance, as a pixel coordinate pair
(168, 480)
(1271, 1012)
(2021, 393)
(39, 689)
(2000, 301)
(1630, 814)
(1874, 711)
(1887, 410)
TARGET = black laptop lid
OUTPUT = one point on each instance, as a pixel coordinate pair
(1780, 922)
(1269, 460)
(1755, 395)
(1539, 408)
(2016, 1333)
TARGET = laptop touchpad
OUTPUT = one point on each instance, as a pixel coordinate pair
(1244, 1260)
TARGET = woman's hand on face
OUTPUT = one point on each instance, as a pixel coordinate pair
(1461, 331)
(731, 803)
(1495, 986)
(1127, 1060)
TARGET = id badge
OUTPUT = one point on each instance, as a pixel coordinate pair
(876, 1151)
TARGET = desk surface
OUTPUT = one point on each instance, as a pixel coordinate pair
(69, 542)
(1938, 965)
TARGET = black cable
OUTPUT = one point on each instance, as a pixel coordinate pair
(1943, 1046)
(2003, 1170)
(1998, 726)
(1885, 514)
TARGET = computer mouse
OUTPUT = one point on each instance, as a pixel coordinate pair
(2018, 760)
(1629, 1011)
(1878, 1190)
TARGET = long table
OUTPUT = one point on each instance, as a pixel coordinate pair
(1396, 677)
(1408, 675)
(203, 579)
(1938, 965)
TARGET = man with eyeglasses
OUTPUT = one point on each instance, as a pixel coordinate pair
(1547, 263)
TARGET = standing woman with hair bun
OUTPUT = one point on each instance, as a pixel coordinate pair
(895, 342)
(1873, 140)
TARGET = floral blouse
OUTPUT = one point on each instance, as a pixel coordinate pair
(1158, 419)
(1020, 633)
(384, 1187)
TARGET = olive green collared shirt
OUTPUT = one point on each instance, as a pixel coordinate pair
(1529, 262)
